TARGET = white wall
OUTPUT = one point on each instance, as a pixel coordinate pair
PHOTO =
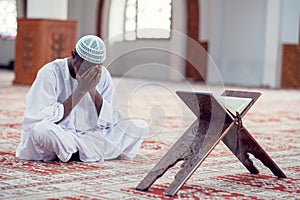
(236, 40)
(85, 13)
(245, 39)
(290, 21)
(272, 46)
(146, 58)
(204, 20)
(47, 9)
(7, 51)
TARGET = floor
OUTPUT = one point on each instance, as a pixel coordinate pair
(274, 122)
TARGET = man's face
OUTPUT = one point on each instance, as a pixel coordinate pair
(84, 67)
(80, 65)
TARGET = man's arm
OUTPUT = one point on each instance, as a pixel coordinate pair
(71, 102)
(97, 99)
(86, 83)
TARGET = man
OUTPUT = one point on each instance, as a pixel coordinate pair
(71, 110)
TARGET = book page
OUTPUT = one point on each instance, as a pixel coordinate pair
(234, 104)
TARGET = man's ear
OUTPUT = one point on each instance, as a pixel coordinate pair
(73, 53)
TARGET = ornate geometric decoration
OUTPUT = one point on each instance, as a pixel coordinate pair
(58, 44)
(28, 49)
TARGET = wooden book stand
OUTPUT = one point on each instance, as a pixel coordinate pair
(214, 123)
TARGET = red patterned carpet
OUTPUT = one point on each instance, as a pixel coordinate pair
(274, 121)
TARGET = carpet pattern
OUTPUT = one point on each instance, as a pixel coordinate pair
(274, 121)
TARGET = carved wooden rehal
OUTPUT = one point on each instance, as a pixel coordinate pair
(213, 123)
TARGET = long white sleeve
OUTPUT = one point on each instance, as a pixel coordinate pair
(110, 113)
(41, 100)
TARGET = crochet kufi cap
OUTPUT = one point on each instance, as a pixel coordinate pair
(91, 48)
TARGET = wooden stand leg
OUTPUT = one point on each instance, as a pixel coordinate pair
(203, 143)
(193, 147)
(243, 143)
(174, 155)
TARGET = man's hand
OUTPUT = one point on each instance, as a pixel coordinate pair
(87, 82)
(96, 97)
(89, 79)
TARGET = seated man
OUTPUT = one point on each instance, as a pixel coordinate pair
(71, 109)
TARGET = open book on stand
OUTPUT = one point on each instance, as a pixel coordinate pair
(234, 104)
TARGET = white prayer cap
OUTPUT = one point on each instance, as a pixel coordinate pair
(91, 48)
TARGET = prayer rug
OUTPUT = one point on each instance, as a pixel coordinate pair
(274, 121)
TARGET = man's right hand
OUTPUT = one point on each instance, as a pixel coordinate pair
(88, 80)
